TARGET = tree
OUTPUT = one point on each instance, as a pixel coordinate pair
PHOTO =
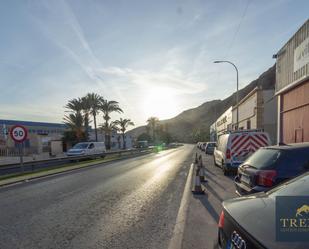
(108, 128)
(144, 137)
(75, 121)
(107, 107)
(93, 102)
(152, 123)
(123, 125)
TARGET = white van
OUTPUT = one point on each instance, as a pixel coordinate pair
(87, 148)
(235, 147)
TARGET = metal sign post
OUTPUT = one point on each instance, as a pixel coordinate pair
(19, 134)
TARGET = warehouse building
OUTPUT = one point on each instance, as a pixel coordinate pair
(292, 88)
(39, 138)
(257, 110)
(222, 125)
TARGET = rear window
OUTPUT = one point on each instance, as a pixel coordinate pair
(211, 145)
(297, 186)
(264, 158)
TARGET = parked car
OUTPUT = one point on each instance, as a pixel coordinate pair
(203, 146)
(87, 148)
(235, 147)
(270, 166)
(250, 222)
(210, 148)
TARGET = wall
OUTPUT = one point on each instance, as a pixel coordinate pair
(224, 122)
(270, 111)
(247, 111)
(292, 68)
(295, 114)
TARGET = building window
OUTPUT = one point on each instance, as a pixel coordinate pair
(249, 124)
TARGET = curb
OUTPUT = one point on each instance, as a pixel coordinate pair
(65, 171)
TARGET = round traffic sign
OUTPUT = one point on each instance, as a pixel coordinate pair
(18, 133)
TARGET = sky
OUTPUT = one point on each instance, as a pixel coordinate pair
(154, 57)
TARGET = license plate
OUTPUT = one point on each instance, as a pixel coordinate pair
(230, 245)
(245, 179)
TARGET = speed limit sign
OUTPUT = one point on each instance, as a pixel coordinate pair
(18, 133)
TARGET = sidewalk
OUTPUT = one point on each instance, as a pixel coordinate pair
(204, 210)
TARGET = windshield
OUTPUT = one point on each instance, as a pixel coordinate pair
(81, 146)
(263, 158)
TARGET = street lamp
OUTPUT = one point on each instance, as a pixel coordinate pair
(237, 86)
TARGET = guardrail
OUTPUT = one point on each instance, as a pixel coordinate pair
(32, 166)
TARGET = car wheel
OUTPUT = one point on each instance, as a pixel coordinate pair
(224, 169)
(215, 163)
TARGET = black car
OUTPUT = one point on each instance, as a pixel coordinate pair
(210, 147)
(249, 222)
(269, 166)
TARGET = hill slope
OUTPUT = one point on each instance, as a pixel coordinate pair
(183, 126)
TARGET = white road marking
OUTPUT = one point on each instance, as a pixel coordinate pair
(176, 240)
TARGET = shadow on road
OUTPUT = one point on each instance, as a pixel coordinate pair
(213, 192)
(203, 199)
(209, 177)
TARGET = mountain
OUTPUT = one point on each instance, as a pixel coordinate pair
(186, 124)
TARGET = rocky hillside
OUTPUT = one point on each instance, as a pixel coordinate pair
(186, 124)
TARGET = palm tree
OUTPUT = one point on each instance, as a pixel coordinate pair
(75, 121)
(93, 101)
(152, 123)
(123, 124)
(107, 107)
(74, 105)
(108, 128)
(86, 109)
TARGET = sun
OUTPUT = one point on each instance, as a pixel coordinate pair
(159, 102)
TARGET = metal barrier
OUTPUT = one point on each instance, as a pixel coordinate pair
(32, 166)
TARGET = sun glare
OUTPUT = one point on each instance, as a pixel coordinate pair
(159, 102)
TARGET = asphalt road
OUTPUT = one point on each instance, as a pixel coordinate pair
(126, 204)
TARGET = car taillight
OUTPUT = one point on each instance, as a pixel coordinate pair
(228, 154)
(221, 220)
(266, 177)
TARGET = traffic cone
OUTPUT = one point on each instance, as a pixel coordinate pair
(197, 187)
(203, 175)
(200, 161)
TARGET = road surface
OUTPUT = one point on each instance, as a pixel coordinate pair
(126, 204)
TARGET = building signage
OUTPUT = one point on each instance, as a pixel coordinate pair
(301, 55)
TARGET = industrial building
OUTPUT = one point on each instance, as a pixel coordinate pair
(39, 137)
(292, 88)
(221, 125)
(116, 139)
(257, 110)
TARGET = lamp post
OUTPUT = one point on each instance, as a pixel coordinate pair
(237, 87)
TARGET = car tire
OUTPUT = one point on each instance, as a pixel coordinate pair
(215, 163)
(224, 169)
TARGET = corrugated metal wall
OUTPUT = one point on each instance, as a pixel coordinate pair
(295, 114)
(285, 74)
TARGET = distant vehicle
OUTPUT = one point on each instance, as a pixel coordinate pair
(142, 144)
(210, 148)
(235, 147)
(87, 148)
(203, 146)
(250, 222)
(270, 166)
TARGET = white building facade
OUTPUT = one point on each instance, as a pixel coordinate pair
(257, 110)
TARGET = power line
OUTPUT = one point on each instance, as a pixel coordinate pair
(238, 28)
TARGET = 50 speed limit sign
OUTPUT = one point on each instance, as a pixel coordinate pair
(18, 133)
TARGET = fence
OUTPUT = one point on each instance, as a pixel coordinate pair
(36, 165)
